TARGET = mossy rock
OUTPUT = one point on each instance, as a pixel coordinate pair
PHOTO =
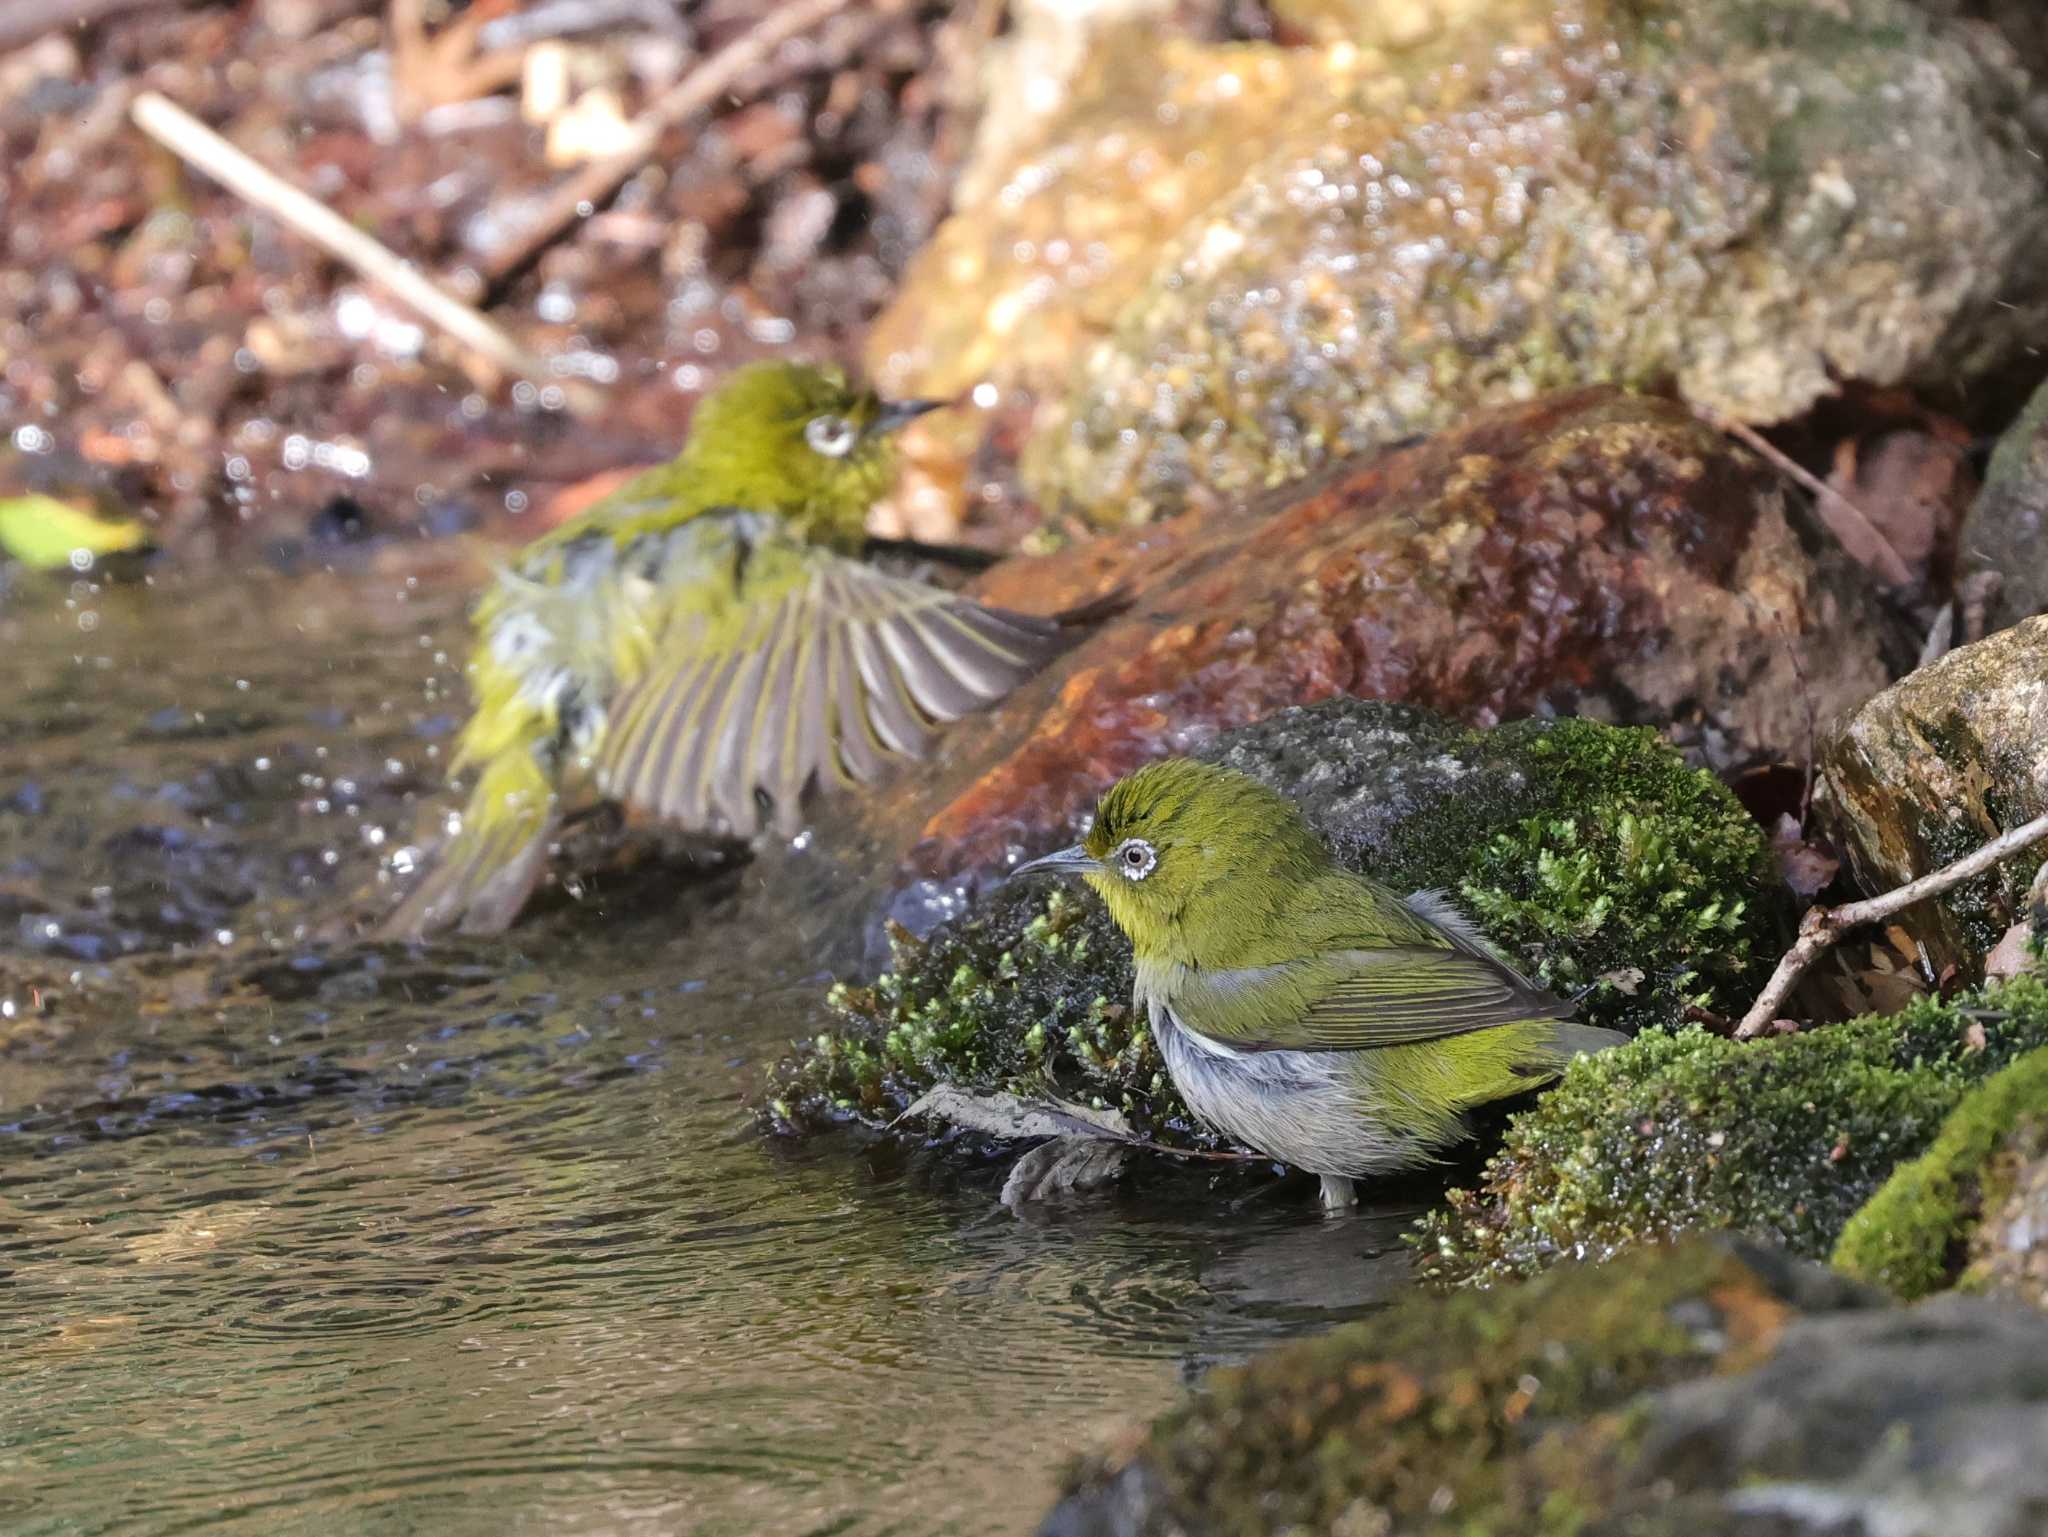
(1913, 1237)
(1680, 1131)
(1516, 1411)
(1591, 855)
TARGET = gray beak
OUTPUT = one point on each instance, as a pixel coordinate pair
(1068, 861)
(898, 414)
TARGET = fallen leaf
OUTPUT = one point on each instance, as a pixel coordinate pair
(1806, 864)
(1913, 489)
(48, 535)
(2011, 955)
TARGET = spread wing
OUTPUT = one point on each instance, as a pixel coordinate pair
(798, 667)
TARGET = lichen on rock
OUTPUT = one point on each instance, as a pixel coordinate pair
(1592, 855)
(1934, 768)
(1751, 199)
(1682, 1131)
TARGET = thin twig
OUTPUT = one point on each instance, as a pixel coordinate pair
(193, 142)
(1891, 566)
(1823, 926)
(590, 188)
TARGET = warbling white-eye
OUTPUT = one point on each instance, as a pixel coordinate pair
(1312, 1014)
(706, 644)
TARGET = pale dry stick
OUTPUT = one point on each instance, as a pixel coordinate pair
(196, 144)
(1823, 926)
(582, 194)
(1891, 565)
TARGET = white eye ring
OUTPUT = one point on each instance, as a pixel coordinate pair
(1134, 859)
(831, 436)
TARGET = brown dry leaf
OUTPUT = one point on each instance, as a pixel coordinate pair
(1806, 864)
(1913, 487)
(2010, 956)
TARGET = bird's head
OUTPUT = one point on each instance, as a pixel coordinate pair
(799, 440)
(1191, 858)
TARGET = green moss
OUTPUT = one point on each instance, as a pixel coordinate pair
(1641, 894)
(1679, 1131)
(1030, 994)
(1592, 855)
(1479, 1414)
(1911, 1236)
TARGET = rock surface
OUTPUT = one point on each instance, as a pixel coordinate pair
(2006, 533)
(1592, 856)
(1712, 1390)
(1785, 1138)
(1290, 255)
(1593, 553)
(1935, 767)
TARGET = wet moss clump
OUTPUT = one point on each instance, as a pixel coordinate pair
(1591, 855)
(1643, 897)
(1479, 1413)
(1683, 1130)
(1912, 1236)
(1029, 994)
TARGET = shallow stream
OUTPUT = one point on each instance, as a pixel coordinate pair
(298, 1235)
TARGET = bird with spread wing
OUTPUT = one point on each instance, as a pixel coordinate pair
(707, 645)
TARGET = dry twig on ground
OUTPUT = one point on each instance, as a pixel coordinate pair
(590, 188)
(1823, 926)
(193, 142)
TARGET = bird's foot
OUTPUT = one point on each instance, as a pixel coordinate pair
(1339, 1194)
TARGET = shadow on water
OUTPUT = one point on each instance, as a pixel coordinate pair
(300, 1236)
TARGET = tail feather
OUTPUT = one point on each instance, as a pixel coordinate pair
(480, 879)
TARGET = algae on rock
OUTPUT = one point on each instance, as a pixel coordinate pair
(1592, 855)
(1684, 1131)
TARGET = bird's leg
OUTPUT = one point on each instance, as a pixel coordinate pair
(959, 556)
(1339, 1193)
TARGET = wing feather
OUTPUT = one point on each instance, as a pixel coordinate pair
(814, 669)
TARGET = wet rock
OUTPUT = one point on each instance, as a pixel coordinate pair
(2006, 533)
(1713, 1390)
(1050, 240)
(1681, 1132)
(1593, 553)
(1971, 1211)
(1495, 1413)
(1748, 198)
(1591, 855)
(1935, 767)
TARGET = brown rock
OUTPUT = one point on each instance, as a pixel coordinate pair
(1935, 767)
(1592, 553)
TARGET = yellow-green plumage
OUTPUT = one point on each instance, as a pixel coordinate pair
(704, 646)
(1310, 1012)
